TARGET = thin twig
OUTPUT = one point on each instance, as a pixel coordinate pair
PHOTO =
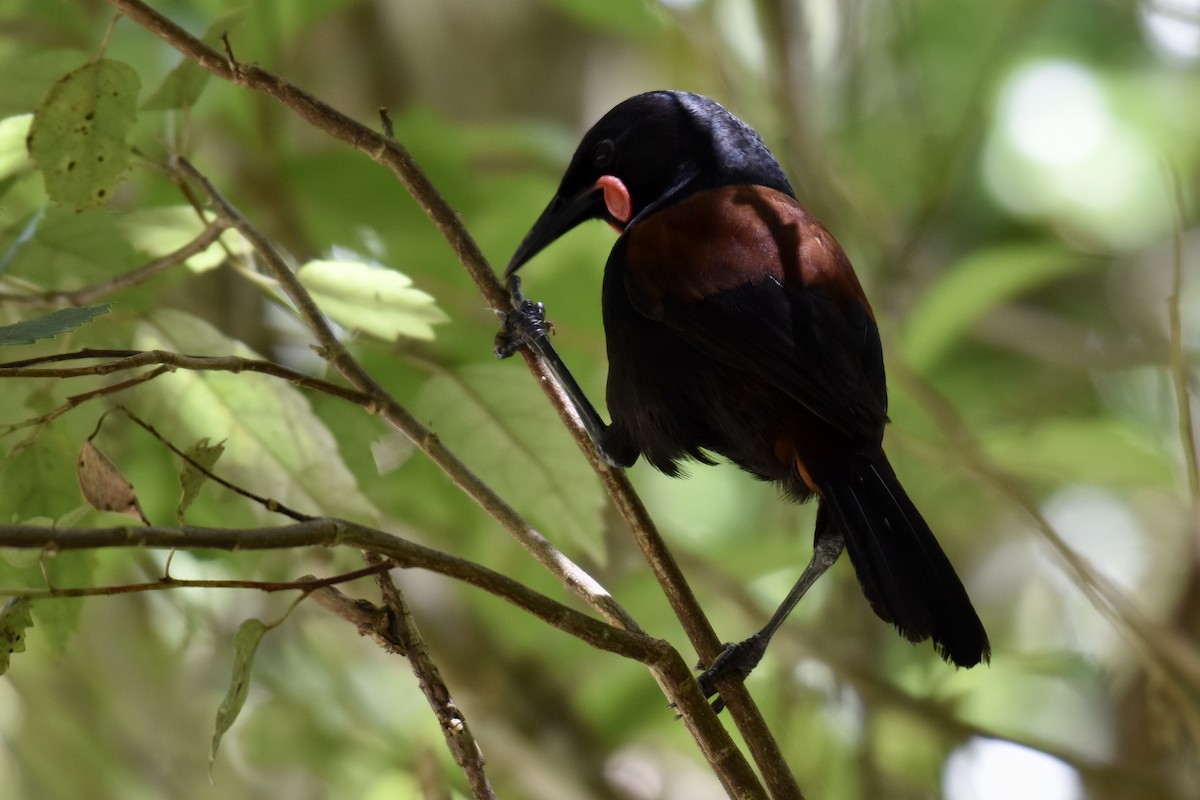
(399, 627)
(270, 504)
(1176, 668)
(77, 400)
(89, 294)
(326, 532)
(305, 584)
(1178, 360)
(668, 668)
(132, 359)
(387, 152)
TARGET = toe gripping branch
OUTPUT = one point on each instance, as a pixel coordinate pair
(736, 659)
(739, 659)
(525, 325)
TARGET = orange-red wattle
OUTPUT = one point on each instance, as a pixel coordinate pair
(616, 198)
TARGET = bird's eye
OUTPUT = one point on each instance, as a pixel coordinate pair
(602, 153)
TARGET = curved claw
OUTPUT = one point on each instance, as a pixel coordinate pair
(736, 660)
(520, 325)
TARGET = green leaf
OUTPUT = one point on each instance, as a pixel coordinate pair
(374, 300)
(78, 133)
(15, 619)
(14, 156)
(180, 88)
(980, 282)
(38, 473)
(190, 478)
(50, 325)
(501, 425)
(182, 85)
(67, 249)
(245, 646)
(275, 444)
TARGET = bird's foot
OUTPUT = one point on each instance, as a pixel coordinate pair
(737, 659)
(521, 324)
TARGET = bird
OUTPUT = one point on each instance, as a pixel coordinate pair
(736, 326)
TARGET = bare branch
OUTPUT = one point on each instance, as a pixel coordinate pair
(327, 532)
(79, 399)
(397, 626)
(386, 152)
(89, 294)
(668, 668)
(270, 504)
(132, 359)
(306, 584)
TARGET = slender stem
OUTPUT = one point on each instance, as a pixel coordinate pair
(270, 504)
(306, 584)
(399, 627)
(1178, 360)
(132, 359)
(325, 532)
(89, 294)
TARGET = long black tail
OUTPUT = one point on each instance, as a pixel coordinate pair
(903, 572)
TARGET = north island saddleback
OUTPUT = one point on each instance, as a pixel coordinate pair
(736, 326)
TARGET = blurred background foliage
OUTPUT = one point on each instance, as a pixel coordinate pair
(1016, 184)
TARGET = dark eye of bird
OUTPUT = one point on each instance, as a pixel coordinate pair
(602, 154)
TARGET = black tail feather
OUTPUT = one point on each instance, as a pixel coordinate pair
(903, 572)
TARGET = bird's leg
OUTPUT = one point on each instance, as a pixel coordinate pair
(525, 325)
(741, 658)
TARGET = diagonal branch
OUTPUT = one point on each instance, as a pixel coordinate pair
(331, 348)
(79, 399)
(393, 156)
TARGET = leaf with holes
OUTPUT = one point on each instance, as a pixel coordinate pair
(15, 619)
(77, 138)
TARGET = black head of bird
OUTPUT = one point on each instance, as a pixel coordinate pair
(644, 153)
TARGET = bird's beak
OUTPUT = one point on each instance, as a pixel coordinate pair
(563, 214)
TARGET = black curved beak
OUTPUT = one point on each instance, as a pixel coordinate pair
(560, 216)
